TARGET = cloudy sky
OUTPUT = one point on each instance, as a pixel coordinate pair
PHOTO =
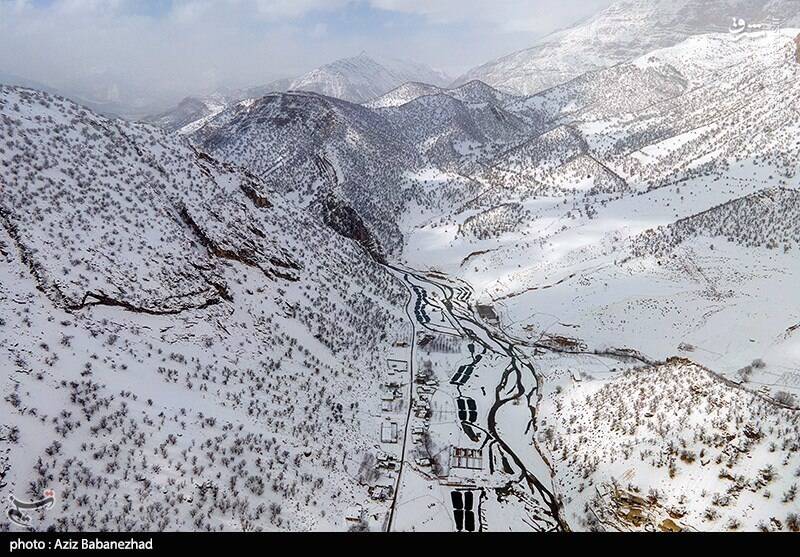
(168, 48)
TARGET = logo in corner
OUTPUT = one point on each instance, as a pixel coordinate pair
(738, 26)
(19, 511)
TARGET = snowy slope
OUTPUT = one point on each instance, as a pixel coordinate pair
(672, 447)
(362, 78)
(457, 128)
(474, 92)
(407, 92)
(765, 219)
(190, 113)
(448, 131)
(190, 350)
(317, 148)
(623, 31)
(313, 146)
(602, 94)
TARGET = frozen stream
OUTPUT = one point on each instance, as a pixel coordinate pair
(515, 473)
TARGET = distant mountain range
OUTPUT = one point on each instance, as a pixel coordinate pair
(625, 30)
(356, 79)
(103, 93)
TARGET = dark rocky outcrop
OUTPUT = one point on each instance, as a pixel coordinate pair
(345, 221)
(247, 255)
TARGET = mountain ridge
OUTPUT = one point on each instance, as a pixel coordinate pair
(623, 31)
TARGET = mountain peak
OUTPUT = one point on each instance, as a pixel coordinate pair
(623, 31)
(362, 78)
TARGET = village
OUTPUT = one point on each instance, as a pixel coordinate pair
(431, 448)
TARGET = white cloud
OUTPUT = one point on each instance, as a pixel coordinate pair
(504, 15)
(269, 10)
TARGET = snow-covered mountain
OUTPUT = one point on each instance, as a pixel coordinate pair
(193, 112)
(190, 349)
(362, 78)
(675, 96)
(316, 146)
(357, 79)
(478, 92)
(625, 30)
(190, 114)
(407, 92)
(449, 131)
(440, 309)
(474, 92)
(320, 149)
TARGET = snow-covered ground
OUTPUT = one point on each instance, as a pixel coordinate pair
(671, 445)
(182, 348)
(694, 257)
(451, 309)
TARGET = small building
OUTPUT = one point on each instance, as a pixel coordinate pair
(354, 514)
(381, 492)
(396, 366)
(388, 400)
(389, 395)
(388, 462)
(389, 432)
(422, 409)
(468, 459)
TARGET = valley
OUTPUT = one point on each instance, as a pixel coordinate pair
(498, 376)
(558, 294)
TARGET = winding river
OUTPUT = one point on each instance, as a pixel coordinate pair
(507, 372)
